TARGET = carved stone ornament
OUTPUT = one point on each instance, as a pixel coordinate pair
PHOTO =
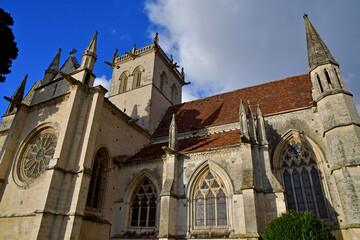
(36, 156)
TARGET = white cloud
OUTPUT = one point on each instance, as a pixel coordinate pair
(103, 82)
(348, 77)
(230, 44)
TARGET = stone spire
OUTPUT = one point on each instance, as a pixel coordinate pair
(173, 144)
(260, 126)
(251, 123)
(91, 49)
(318, 53)
(53, 68)
(89, 56)
(243, 121)
(18, 96)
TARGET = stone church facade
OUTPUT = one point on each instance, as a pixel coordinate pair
(75, 164)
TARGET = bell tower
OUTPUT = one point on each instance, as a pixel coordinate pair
(144, 83)
(341, 132)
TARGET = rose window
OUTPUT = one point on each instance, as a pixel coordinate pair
(37, 156)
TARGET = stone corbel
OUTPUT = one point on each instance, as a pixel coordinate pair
(169, 150)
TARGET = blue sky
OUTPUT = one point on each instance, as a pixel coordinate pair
(223, 45)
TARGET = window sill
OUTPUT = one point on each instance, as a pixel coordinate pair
(207, 232)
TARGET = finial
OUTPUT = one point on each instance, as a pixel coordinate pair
(59, 50)
(258, 110)
(133, 49)
(72, 52)
(173, 134)
(115, 55)
(305, 16)
(156, 38)
(182, 72)
(171, 58)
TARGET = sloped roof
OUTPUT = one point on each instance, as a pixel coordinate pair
(191, 144)
(278, 96)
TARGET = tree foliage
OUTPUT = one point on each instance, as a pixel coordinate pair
(297, 225)
(8, 49)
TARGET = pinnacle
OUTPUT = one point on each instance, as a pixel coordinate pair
(18, 95)
(54, 65)
(91, 49)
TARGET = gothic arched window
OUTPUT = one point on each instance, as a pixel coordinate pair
(137, 77)
(163, 81)
(173, 93)
(319, 82)
(143, 205)
(303, 187)
(210, 201)
(123, 82)
(97, 182)
(328, 79)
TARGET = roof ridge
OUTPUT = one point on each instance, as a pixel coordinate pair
(283, 79)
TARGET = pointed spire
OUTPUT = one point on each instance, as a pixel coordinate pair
(89, 56)
(91, 49)
(18, 95)
(53, 68)
(173, 144)
(243, 121)
(251, 123)
(318, 53)
(260, 126)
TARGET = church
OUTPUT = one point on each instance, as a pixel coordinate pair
(140, 164)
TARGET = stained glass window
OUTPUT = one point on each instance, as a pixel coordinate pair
(303, 193)
(210, 201)
(143, 205)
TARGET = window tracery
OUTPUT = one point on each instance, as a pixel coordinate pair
(97, 181)
(36, 156)
(210, 201)
(301, 180)
(143, 205)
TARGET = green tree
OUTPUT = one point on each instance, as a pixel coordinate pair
(8, 49)
(297, 226)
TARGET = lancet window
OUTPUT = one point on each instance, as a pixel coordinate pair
(210, 201)
(173, 93)
(143, 205)
(328, 79)
(163, 81)
(301, 178)
(319, 82)
(97, 182)
(123, 82)
(137, 77)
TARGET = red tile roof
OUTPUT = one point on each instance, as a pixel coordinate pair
(277, 96)
(191, 144)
